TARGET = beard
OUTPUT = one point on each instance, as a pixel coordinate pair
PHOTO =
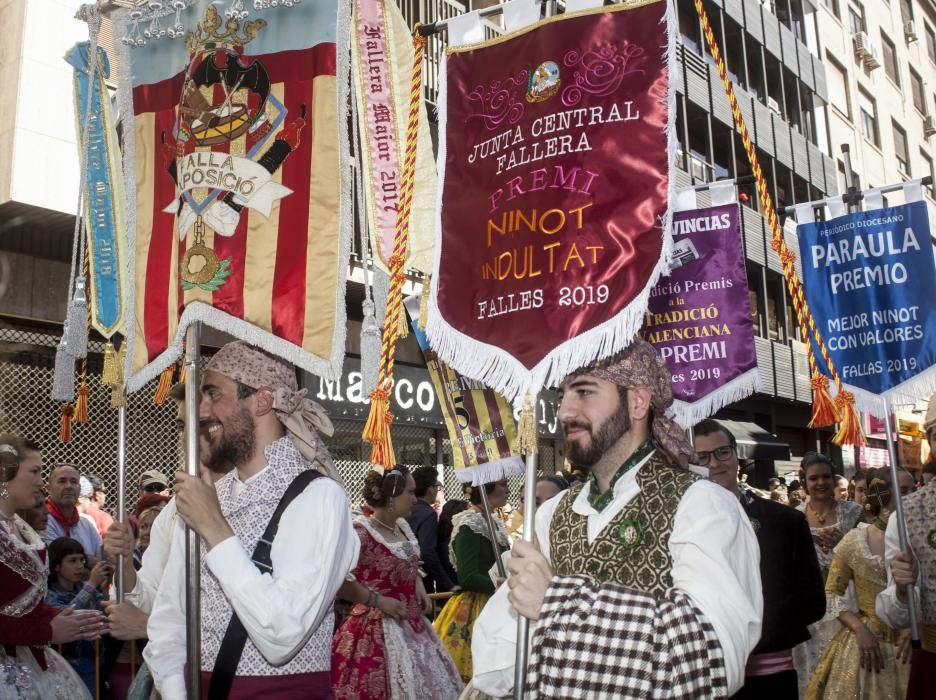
(236, 445)
(601, 440)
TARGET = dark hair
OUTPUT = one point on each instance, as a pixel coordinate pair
(9, 460)
(449, 511)
(710, 427)
(810, 459)
(59, 549)
(177, 392)
(475, 494)
(425, 478)
(880, 490)
(380, 488)
(930, 467)
(555, 480)
(860, 476)
(794, 485)
(244, 391)
(31, 445)
(97, 485)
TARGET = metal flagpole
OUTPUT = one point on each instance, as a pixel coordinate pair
(529, 524)
(852, 197)
(121, 491)
(491, 530)
(901, 526)
(192, 544)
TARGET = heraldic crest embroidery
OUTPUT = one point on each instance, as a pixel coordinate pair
(230, 137)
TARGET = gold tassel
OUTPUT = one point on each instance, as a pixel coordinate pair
(182, 371)
(403, 326)
(824, 409)
(424, 303)
(118, 397)
(81, 405)
(526, 429)
(377, 429)
(165, 384)
(850, 432)
(109, 371)
(65, 422)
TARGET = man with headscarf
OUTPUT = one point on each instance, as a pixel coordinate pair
(917, 566)
(644, 581)
(266, 595)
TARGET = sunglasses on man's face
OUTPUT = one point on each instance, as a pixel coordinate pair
(154, 488)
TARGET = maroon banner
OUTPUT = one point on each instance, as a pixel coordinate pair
(555, 192)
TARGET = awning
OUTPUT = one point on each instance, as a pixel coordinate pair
(756, 443)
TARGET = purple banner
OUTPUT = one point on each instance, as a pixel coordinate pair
(699, 318)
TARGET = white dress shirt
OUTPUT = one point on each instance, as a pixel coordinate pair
(155, 558)
(314, 549)
(716, 561)
(887, 605)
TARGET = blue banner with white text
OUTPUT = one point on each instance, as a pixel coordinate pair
(870, 283)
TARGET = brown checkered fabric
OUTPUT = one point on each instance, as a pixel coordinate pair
(607, 641)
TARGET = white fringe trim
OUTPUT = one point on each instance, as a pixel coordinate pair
(490, 471)
(128, 119)
(918, 388)
(688, 414)
(494, 366)
(328, 368)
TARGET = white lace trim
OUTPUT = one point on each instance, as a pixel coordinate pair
(401, 550)
(475, 522)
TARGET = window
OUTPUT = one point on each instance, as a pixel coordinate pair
(856, 21)
(868, 117)
(906, 11)
(890, 59)
(837, 79)
(928, 165)
(900, 149)
(931, 43)
(916, 87)
(832, 6)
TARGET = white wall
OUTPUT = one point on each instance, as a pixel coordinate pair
(38, 149)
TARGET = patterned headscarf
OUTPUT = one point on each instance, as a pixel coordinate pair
(639, 364)
(304, 420)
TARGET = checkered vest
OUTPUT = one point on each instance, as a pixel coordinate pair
(633, 549)
(920, 513)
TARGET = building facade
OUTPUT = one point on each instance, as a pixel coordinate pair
(775, 59)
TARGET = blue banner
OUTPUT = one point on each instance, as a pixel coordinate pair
(870, 283)
(103, 189)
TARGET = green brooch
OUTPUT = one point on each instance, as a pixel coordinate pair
(755, 524)
(630, 533)
(931, 538)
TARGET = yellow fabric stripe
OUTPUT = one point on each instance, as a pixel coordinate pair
(323, 243)
(144, 125)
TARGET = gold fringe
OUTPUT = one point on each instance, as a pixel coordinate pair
(81, 405)
(424, 304)
(118, 397)
(824, 409)
(526, 429)
(850, 432)
(377, 429)
(403, 327)
(109, 371)
(65, 422)
(165, 384)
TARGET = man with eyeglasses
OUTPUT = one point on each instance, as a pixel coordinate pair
(792, 582)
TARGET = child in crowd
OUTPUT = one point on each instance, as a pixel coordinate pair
(69, 589)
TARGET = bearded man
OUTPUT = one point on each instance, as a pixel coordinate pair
(645, 582)
(277, 543)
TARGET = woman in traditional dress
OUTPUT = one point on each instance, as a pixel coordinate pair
(829, 520)
(29, 668)
(862, 660)
(386, 648)
(472, 553)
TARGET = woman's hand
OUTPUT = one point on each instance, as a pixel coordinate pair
(870, 650)
(72, 625)
(391, 607)
(425, 602)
